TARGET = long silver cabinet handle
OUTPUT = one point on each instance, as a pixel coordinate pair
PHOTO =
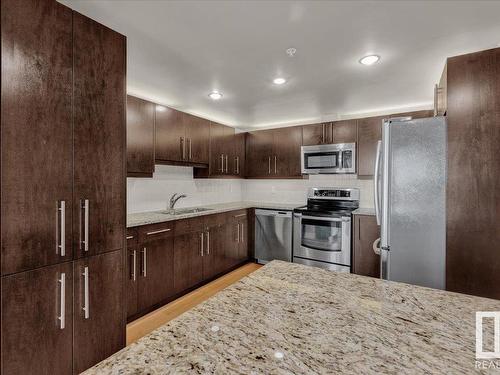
(86, 307)
(62, 301)
(269, 165)
(183, 148)
(275, 168)
(62, 228)
(376, 182)
(190, 154)
(144, 260)
(85, 240)
(158, 231)
(241, 232)
(134, 265)
(130, 237)
(240, 215)
(208, 242)
(201, 244)
(238, 233)
(226, 165)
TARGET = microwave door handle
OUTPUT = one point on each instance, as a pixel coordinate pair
(376, 185)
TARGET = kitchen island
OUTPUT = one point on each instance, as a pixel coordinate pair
(292, 319)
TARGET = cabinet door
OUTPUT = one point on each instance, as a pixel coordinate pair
(197, 138)
(344, 131)
(286, 155)
(259, 152)
(131, 274)
(216, 148)
(170, 144)
(140, 137)
(34, 341)
(243, 241)
(228, 150)
(316, 134)
(366, 231)
(214, 251)
(36, 133)
(369, 133)
(156, 276)
(231, 253)
(99, 137)
(238, 165)
(99, 319)
(188, 261)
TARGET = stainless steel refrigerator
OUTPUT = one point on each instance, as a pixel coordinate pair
(410, 200)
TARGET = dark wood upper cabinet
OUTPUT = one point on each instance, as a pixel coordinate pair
(197, 138)
(99, 137)
(344, 131)
(274, 153)
(366, 231)
(36, 134)
(99, 320)
(317, 134)
(217, 132)
(34, 339)
(140, 137)
(473, 174)
(170, 144)
(238, 160)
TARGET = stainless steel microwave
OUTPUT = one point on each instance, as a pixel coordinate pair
(329, 159)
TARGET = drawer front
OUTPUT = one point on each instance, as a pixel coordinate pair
(132, 237)
(239, 214)
(184, 226)
(215, 220)
(156, 231)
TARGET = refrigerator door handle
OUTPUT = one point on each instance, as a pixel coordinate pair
(376, 184)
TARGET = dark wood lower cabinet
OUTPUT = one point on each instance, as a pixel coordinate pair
(366, 231)
(34, 339)
(131, 279)
(194, 251)
(99, 321)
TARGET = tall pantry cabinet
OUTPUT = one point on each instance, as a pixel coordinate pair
(62, 222)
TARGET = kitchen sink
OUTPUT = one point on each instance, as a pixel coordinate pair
(184, 211)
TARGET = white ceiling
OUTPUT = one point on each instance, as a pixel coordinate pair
(179, 51)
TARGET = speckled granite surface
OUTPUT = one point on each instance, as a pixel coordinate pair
(151, 217)
(364, 211)
(320, 321)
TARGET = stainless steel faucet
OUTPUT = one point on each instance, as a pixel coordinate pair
(173, 200)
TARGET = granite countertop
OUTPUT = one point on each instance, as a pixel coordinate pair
(152, 217)
(292, 319)
(364, 211)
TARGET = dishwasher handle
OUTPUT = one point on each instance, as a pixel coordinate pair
(275, 213)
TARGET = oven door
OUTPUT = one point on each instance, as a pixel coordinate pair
(326, 239)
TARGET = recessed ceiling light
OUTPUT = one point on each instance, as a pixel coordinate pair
(279, 81)
(215, 95)
(291, 51)
(369, 60)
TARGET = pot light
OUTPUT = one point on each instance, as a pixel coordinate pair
(369, 60)
(215, 95)
(279, 81)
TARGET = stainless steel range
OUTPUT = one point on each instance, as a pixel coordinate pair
(322, 229)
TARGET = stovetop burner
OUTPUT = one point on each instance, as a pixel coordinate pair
(330, 202)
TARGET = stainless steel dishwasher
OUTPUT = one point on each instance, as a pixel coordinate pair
(273, 235)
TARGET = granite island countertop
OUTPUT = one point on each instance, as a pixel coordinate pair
(293, 319)
(153, 217)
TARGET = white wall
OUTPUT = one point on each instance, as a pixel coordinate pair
(294, 191)
(150, 194)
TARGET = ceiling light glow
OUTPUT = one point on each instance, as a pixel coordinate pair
(279, 81)
(215, 95)
(369, 60)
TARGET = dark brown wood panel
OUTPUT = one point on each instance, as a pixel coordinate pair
(170, 142)
(32, 339)
(36, 132)
(259, 152)
(102, 333)
(140, 137)
(366, 231)
(99, 135)
(316, 134)
(216, 148)
(238, 166)
(156, 271)
(197, 138)
(286, 155)
(188, 261)
(243, 253)
(132, 272)
(344, 131)
(473, 115)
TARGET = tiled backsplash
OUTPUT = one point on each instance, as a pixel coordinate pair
(149, 194)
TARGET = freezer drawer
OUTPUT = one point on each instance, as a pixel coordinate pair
(273, 235)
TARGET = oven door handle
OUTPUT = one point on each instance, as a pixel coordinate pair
(319, 249)
(321, 218)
